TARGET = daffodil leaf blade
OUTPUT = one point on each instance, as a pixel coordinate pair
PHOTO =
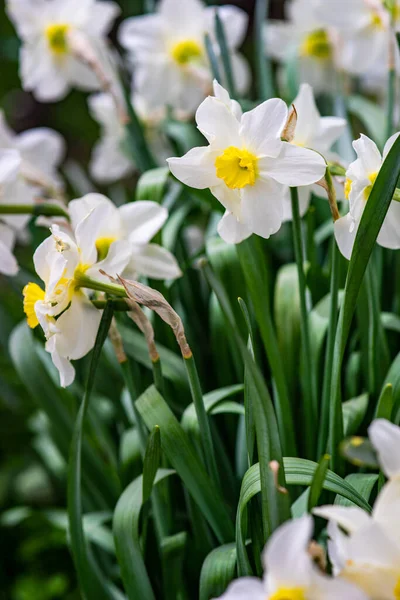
(217, 571)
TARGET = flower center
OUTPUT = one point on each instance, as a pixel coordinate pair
(237, 167)
(57, 38)
(32, 293)
(288, 594)
(368, 189)
(376, 21)
(396, 590)
(103, 245)
(347, 188)
(186, 51)
(317, 45)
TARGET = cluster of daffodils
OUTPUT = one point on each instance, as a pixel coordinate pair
(351, 36)
(364, 549)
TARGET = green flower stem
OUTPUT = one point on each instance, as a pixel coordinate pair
(391, 102)
(118, 305)
(330, 347)
(310, 404)
(337, 170)
(47, 210)
(262, 64)
(212, 58)
(109, 288)
(157, 375)
(204, 424)
(225, 55)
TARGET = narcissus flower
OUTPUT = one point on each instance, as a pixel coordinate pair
(110, 159)
(169, 56)
(315, 132)
(49, 67)
(365, 33)
(360, 178)
(385, 437)
(369, 555)
(13, 190)
(63, 308)
(290, 573)
(136, 223)
(41, 150)
(246, 165)
(304, 36)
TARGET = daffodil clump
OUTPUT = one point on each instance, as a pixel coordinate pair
(200, 300)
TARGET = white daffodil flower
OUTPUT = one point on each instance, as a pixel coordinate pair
(110, 159)
(48, 66)
(304, 36)
(369, 555)
(41, 150)
(290, 573)
(365, 33)
(385, 438)
(361, 176)
(315, 132)
(168, 52)
(136, 223)
(246, 165)
(13, 190)
(63, 308)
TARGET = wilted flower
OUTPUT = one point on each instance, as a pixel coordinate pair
(41, 150)
(366, 33)
(290, 573)
(136, 223)
(63, 308)
(110, 158)
(13, 190)
(304, 37)
(169, 53)
(311, 131)
(361, 176)
(49, 66)
(246, 165)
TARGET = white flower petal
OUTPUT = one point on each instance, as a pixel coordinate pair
(389, 144)
(368, 153)
(308, 117)
(142, 34)
(64, 367)
(218, 123)
(42, 147)
(261, 127)
(304, 202)
(386, 509)
(10, 162)
(245, 588)
(40, 75)
(102, 221)
(280, 37)
(231, 230)
(151, 260)
(328, 588)
(80, 208)
(109, 162)
(222, 94)
(389, 235)
(352, 519)
(230, 199)
(196, 169)
(286, 560)
(385, 437)
(117, 259)
(262, 207)
(345, 233)
(235, 22)
(191, 21)
(8, 262)
(241, 73)
(330, 130)
(101, 17)
(78, 327)
(141, 220)
(294, 166)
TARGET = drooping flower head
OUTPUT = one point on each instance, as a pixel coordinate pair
(48, 66)
(169, 55)
(247, 166)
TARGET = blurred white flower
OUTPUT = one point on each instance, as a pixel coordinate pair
(63, 308)
(110, 159)
(368, 554)
(290, 573)
(303, 36)
(385, 437)
(170, 61)
(13, 190)
(365, 33)
(135, 222)
(315, 132)
(246, 165)
(48, 66)
(361, 176)
(41, 150)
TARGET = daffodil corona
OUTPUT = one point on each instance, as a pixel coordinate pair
(247, 166)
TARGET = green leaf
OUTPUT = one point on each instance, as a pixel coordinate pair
(126, 536)
(217, 572)
(385, 403)
(390, 321)
(225, 55)
(151, 462)
(373, 216)
(364, 483)
(173, 556)
(354, 411)
(92, 582)
(151, 185)
(318, 480)
(372, 117)
(263, 67)
(180, 453)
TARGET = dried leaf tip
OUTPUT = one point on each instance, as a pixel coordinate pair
(290, 127)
